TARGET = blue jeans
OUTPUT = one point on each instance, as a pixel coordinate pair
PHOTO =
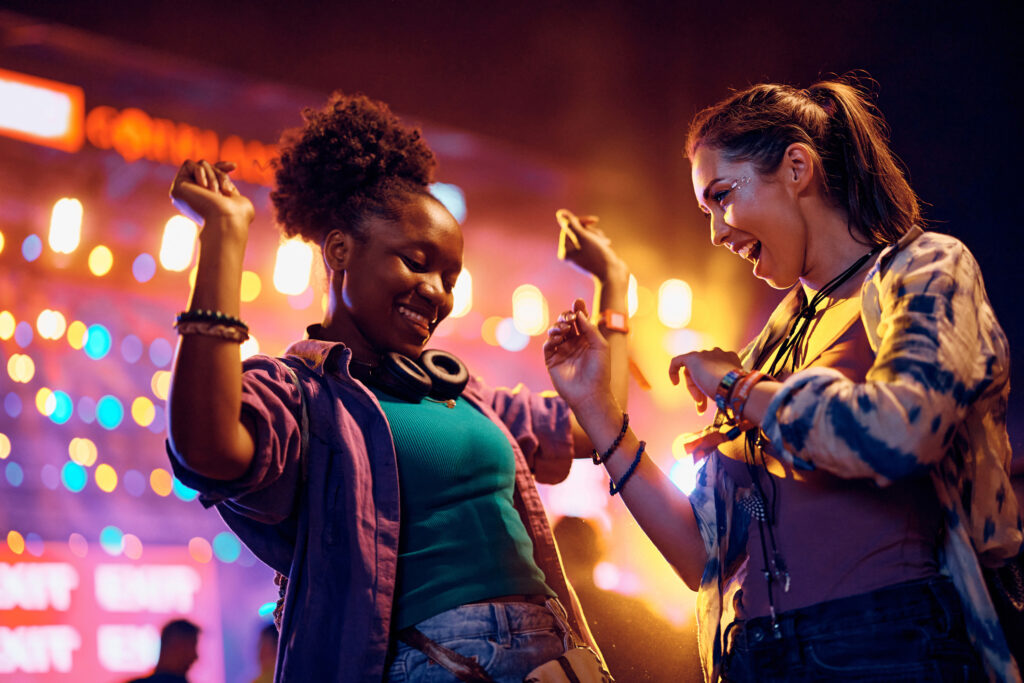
(509, 639)
(912, 631)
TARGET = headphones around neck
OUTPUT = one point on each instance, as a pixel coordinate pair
(438, 375)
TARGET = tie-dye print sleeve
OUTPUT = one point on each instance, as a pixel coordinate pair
(939, 350)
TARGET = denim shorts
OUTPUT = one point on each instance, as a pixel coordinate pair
(509, 639)
(911, 631)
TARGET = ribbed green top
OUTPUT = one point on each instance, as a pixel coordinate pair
(461, 538)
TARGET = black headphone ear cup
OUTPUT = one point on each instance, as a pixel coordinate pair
(448, 375)
(400, 376)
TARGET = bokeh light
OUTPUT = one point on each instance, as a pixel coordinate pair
(14, 473)
(5, 446)
(292, 267)
(51, 324)
(160, 352)
(78, 545)
(12, 404)
(74, 476)
(66, 225)
(463, 293)
(43, 403)
(160, 384)
(16, 542)
(632, 297)
(34, 545)
(250, 347)
(143, 411)
(684, 475)
(134, 483)
(50, 476)
(226, 546)
(109, 412)
(529, 310)
(7, 324)
(131, 348)
(183, 492)
(132, 546)
(21, 368)
(59, 407)
(87, 409)
(97, 342)
(112, 540)
(23, 334)
(200, 550)
(161, 482)
(101, 260)
(675, 303)
(76, 334)
(178, 243)
(251, 286)
(31, 248)
(144, 267)
(106, 478)
(453, 198)
(510, 338)
(489, 330)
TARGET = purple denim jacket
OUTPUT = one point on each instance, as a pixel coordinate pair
(331, 523)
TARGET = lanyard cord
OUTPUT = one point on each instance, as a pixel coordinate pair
(774, 569)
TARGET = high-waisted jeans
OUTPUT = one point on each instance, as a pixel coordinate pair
(906, 632)
(508, 639)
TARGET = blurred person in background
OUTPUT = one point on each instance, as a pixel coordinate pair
(179, 650)
(266, 652)
(393, 490)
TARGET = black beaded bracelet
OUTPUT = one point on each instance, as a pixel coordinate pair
(600, 458)
(615, 488)
(201, 316)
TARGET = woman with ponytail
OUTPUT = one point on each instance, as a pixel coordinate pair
(855, 476)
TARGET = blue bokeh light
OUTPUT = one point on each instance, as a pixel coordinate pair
(74, 476)
(15, 475)
(453, 198)
(226, 546)
(12, 404)
(32, 247)
(112, 540)
(183, 492)
(144, 267)
(62, 409)
(97, 342)
(109, 412)
(267, 609)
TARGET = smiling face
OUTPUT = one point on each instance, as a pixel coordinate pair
(755, 216)
(397, 283)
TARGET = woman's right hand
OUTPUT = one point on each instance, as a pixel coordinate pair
(577, 358)
(204, 193)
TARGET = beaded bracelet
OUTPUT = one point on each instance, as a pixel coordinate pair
(615, 488)
(199, 315)
(741, 392)
(600, 458)
(725, 388)
(208, 329)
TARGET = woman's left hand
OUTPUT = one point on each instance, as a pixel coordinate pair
(703, 371)
(586, 245)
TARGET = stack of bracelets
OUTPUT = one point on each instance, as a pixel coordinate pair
(731, 398)
(212, 324)
(600, 458)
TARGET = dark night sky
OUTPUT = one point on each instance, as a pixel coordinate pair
(608, 88)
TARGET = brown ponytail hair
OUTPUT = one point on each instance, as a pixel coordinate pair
(843, 128)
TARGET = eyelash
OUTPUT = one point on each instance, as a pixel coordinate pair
(414, 265)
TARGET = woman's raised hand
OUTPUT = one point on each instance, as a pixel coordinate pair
(583, 243)
(703, 371)
(204, 193)
(577, 358)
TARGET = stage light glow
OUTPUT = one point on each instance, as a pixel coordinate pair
(101, 260)
(160, 352)
(266, 609)
(292, 267)
(15, 475)
(251, 286)
(183, 492)
(66, 225)
(131, 348)
(160, 384)
(87, 410)
(16, 542)
(200, 550)
(675, 303)
(132, 546)
(82, 451)
(134, 483)
(50, 476)
(41, 111)
(23, 334)
(78, 545)
(106, 478)
(112, 540)
(161, 482)
(12, 404)
(509, 338)
(31, 248)
(51, 324)
(97, 342)
(5, 446)
(679, 447)
(463, 293)
(632, 296)
(21, 368)
(109, 412)
(489, 330)
(226, 547)
(678, 342)
(453, 198)
(143, 267)
(529, 310)
(7, 325)
(607, 576)
(178, 243)
(76, 334)
(74, 476)
(684, 475)
(250, 347)
(44, 402)
(1, 242)
(143, 411)
(62, 407)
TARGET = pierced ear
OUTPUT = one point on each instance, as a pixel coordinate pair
(337, 248)
(798, 165)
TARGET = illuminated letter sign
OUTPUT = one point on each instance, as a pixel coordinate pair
(41, 111)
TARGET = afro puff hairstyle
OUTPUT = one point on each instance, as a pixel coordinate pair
(351, 159)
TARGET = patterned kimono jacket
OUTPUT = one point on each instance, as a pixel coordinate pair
(934, 400)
